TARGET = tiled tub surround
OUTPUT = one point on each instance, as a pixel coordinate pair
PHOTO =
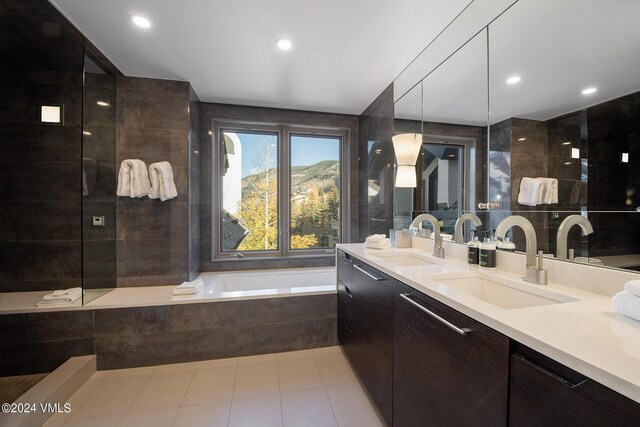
(587, 335)
(148, 326)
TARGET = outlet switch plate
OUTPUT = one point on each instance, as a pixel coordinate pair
(98, 221)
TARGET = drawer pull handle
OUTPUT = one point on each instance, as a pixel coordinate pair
(547, 372)
(377, 279)
(461, 331)
(347, 291)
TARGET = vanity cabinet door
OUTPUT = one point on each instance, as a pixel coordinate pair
(449, 370)
(372, 349)
(546, 393)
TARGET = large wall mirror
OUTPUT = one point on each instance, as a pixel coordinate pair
(547, 90)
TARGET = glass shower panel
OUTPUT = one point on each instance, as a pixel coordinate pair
(98, 180)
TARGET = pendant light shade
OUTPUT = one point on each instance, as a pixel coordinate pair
(407, 148)
(406, 177)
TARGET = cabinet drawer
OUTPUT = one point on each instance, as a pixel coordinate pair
(345, 302)
(449, 369)
(344, 265)
(546, 393)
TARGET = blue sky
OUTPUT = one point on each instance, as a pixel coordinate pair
(305, 150)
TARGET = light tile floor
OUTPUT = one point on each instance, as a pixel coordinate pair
(301, 388)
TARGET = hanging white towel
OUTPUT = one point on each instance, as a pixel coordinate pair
(530, 192)
(628, 304)
(189, 288)
(549, 191)
(162, 185)
(61, 297)
(133, 179)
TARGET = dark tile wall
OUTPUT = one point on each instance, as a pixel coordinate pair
(194, 185)
(511, 159)
(154, 237)
(33, 343)
(212, 111)
(41, 62)
(376, 168)
(99, 169)
(614, 127)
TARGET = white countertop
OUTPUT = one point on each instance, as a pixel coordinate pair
(587, 335)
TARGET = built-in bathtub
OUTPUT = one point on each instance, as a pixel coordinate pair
(237, 314)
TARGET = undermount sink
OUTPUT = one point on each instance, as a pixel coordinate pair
(403, 260)
(503, 292)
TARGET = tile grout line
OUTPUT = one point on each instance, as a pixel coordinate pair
(279, 390)
(235, 380)
(324, 386)
(185, 394)
(139, 391)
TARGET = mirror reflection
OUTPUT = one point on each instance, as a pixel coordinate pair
(538, 116)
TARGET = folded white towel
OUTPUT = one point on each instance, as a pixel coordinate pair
(189, 288)
(61, 297)
(628, 304)
(530, 191)
(549, 191)
(382, 244)
(162, 185)
(375, 238)
(133, 179)
(633, 286)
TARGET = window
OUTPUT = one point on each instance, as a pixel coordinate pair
(278, 190)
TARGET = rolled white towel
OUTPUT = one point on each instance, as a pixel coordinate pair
(189, 288)
(628, 304)
(162, 185)
(633, 286)
(530, 192)
(61, 297)
(133, 179)
(382, 244)
(375, 238)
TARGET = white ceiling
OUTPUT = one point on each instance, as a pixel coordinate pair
(558, 48)
(345, 52)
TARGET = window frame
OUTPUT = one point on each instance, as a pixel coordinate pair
(284, 131)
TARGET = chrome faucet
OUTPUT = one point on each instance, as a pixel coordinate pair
(460, 223)
(534, 273)
(563, 232)
(438, 248)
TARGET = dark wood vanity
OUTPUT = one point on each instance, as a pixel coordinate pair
(426, 364)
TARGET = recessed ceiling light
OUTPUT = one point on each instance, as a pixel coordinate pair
(589, 90)
(513, 80)
(210, 133)
(84, 132)
(141, 21)
(451, 155)
(567, 163)
(566, 143)
(522, 139)
(377, 150)
(284, 44)
(102, 103)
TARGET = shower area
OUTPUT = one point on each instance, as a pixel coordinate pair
(57, 162)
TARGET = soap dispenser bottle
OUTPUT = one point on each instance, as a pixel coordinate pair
(487, 254)
(507, 245)
(473, 249)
